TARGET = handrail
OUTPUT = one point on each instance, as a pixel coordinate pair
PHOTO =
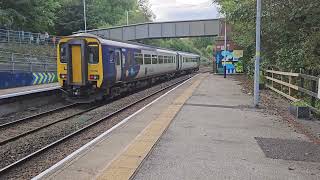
(23, 37)
(21, 62)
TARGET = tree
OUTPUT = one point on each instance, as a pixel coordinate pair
(290, 31)
(100, 13)
(28, 15)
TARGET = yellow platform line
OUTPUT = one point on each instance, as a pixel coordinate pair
(125, 165)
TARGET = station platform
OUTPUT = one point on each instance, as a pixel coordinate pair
(203, 129)
(20, 91)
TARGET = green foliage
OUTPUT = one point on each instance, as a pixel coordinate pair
(28, 15)
(62, 17)
(290, 32)
(300, 104)
(100, 13)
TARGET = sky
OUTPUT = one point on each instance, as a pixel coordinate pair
(172, 10)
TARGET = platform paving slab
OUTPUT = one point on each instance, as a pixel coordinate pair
(214, 136)
(91, 163)
(18, 91)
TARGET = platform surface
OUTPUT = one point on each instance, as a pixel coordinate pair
(211, 133)
(19, 91)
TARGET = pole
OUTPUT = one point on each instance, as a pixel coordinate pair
(225, 49)
(127, 17)
(84, 16)
(257, 62)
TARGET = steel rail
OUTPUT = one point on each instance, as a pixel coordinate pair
(35, 116)
(45, 126)
(59, 141)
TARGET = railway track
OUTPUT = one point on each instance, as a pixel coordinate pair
(11, 123)
(6, 168)
(37, 124)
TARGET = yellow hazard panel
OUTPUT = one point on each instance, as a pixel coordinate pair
(93, 69)
(76, 64)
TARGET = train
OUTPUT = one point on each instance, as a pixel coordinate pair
(91, 68)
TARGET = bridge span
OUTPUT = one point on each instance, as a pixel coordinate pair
(155, 30)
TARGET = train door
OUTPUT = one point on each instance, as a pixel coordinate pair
(77, 68)
(180, 62)
(123, 64)
(118, 64)
(177, 62)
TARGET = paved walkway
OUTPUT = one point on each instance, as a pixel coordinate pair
(205, 129)
(19, 91)
(213, 137)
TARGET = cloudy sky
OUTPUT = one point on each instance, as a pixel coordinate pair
(171, 10)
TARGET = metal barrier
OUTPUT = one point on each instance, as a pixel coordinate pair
(294, 86)
(15, 62)
(22, 37)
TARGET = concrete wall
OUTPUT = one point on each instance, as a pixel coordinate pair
(18, 79)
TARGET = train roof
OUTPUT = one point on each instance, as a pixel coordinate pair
(187, 54)
(133, 45)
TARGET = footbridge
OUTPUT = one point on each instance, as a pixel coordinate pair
(155, 30)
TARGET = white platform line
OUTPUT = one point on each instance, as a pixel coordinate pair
(28, 92)
(100, 137)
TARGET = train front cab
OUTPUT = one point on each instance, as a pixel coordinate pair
(79, 64)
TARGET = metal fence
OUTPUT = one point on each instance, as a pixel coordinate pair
(16, 62)
(22, 37)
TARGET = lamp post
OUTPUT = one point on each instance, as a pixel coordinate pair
(257, 61)
(225, 49)
(127, 12)
(84, 16)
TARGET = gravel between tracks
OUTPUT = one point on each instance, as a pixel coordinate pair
(22, 147)
(16, 129)
(32, 110)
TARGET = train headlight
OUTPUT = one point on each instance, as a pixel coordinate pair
(94, 77)
(63, 76)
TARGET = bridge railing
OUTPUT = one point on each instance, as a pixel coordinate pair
(15, 62)
(294, 86)
(22, 37)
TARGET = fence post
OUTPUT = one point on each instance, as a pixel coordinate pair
(314, 89)
(19, 37)
(12, 61)
(272, 78)
(290, 81)
(301, 84)
(8, 35)
(281, 78)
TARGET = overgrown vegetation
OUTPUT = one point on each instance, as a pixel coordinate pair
(62, 17)
(290, 32)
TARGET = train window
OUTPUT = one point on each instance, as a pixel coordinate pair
(154, 59)
(138, 58)
(147, 59)
(63, 53)
(160, 59)
(165, 59)
(117, 57)
(130, 56)
(93, 51)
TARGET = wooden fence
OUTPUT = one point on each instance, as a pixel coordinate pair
(294, 86)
